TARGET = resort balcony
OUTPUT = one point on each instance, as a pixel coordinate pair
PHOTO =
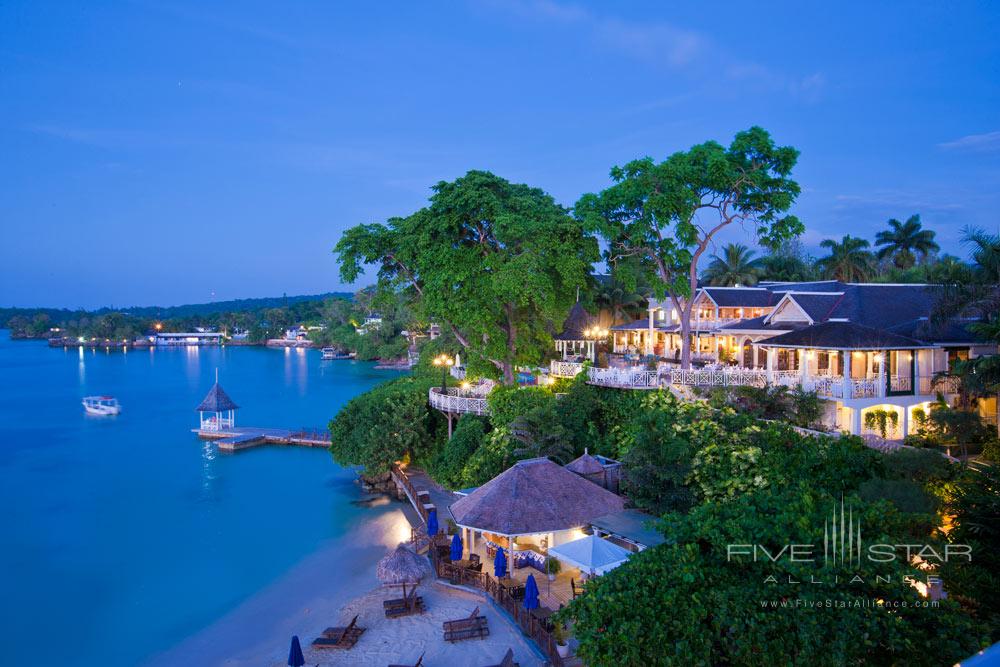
(565, 369)
(458, 401)
(624, 378)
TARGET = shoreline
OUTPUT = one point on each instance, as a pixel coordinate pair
(304, 600)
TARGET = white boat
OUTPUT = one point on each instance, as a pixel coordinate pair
(332, 353)
(101, 405)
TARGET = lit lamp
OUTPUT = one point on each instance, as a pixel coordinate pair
(445, 362)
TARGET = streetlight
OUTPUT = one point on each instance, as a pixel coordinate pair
(445, 362)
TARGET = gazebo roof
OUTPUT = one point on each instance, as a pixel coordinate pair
(534, 496)
(216, 401)
(576, 322)
(585, 465)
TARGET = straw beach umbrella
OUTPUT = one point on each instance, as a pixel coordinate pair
(401, 566)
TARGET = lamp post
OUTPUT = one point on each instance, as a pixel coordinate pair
(445, 362)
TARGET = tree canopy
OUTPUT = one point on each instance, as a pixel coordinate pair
(734, 267)
(497, 262)
(666, 214)
(849, 260)
(904, 241)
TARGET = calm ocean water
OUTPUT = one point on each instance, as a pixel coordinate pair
(121, 536)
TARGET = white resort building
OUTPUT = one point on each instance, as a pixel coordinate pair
(861, 347)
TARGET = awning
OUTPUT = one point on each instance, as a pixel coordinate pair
(592, 554)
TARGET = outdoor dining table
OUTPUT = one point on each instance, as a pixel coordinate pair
(465, 564)
(543, 614)
(513, 587)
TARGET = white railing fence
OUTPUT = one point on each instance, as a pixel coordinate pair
(457, 401)
(565, 369)
(723, 377)
(624, 378)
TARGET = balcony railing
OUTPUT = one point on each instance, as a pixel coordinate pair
(458, 402)
(623, 378)
(723, 377)
(901, 383)
(564, 369)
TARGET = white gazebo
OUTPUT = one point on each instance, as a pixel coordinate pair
(217, 412)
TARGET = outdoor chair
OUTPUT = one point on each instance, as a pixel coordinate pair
(338, 637)
(474, 626)
(508, 660)
(418, 663)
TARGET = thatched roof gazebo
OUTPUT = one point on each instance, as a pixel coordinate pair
(217, 411)
(573, 339)
(401, 566)
(534, 496)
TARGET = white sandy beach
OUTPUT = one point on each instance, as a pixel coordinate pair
(327, 589)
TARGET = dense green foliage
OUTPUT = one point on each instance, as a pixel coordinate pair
(666, 214)
(734, 267)
(496, 262)
(390, 423)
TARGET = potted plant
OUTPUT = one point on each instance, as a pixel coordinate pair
(552, 568)
(559, 636)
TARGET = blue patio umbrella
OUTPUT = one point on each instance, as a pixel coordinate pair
(530, 593)
(456, 547)
(500, 564)
(432, 523)
(295, 657)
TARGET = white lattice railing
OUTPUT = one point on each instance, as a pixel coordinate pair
(564, 369)
(723, 377)
(900, 383)
(456, 401)
(623, 378)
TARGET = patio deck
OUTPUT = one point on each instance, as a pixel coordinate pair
(550, 594)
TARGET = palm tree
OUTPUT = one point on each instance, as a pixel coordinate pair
(736, 266)
(903, 241)
(849, 261)
(617, 297)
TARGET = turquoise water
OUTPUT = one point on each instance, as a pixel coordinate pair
(123, 535)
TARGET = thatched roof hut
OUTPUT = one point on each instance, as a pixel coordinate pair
(585, 466)
(216, 401)
(401, 566)
(534, 496)
(578, 321)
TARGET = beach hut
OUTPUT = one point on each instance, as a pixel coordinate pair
(533, 505)
(401, 566)
(593, 555)
(217, 412)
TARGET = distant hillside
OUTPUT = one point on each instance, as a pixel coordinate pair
(168, 312)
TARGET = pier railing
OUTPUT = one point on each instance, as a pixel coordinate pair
(457, 401)
(535, 629)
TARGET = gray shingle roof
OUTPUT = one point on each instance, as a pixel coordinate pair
(534, 496)
(576, 322)
(843, 335)
(631, 524)
(216, 401)
(741, 297)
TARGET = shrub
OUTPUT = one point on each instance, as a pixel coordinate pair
(448, 466)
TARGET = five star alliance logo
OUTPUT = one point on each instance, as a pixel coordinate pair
(841, 538)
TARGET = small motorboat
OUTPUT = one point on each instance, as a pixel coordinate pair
(101, 406)
(332, 353)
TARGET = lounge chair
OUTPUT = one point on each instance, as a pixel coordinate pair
(578, 589)
(408, 604)
(340, 637)
(472, 627)
(418, 663)
(508, 660)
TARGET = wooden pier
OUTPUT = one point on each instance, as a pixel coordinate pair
(244, 437)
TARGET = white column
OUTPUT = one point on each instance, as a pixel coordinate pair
(649, 334)
(916, 372)
(856, 421)
(881, 373)
(803, 367)
(846, 372)
(770, 365)
(905, 421)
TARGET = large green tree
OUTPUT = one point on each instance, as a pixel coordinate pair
(667, 214)
(849, 260)
(497, 262)
(735, 266)
(903, 241)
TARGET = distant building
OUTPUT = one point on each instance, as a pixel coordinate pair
(371, 323)
(189, 338)
(296, 333)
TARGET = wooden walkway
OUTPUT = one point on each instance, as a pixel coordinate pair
(245, 437)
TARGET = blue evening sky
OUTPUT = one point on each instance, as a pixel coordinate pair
(171, 152)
